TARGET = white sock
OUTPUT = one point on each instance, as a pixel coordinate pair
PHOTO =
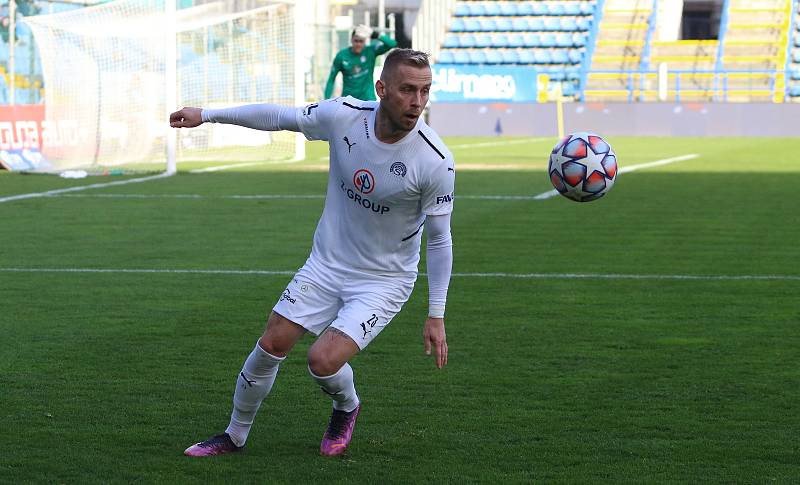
(340, 387)
(254, 383)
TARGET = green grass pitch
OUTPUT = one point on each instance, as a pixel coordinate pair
(658, 366)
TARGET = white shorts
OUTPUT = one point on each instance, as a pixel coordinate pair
(356, 303)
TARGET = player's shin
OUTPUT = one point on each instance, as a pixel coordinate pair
(340, 387)
(254, 383)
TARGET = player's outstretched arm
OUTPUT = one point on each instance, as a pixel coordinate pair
(186, 118)
(440, 264)
(265, 117)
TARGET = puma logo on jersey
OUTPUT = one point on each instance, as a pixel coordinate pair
(349, 145)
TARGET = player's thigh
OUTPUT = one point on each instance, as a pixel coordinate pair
(280, 335)
(330, 352)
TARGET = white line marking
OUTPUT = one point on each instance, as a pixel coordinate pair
(50, 193)
(497, 143)
(571, 276)
(632, 168)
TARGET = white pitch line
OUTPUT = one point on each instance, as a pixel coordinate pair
(82, 187)
(632, 168)
(497, 143)
(530, 276)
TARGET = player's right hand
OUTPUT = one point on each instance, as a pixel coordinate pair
(186, 118)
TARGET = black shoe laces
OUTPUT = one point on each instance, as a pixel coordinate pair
(338, 423)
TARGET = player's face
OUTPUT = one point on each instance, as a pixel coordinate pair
(404, 95)
(357, 44)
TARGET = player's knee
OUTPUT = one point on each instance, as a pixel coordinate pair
(321, 364)
(273, 346)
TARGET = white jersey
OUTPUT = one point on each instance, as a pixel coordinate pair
(378, 193)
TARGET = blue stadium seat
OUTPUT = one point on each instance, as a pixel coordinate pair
(457, 25)
(476, 9)
(542, 57)
(552, 24)
(488, 25)
(557, 74)
(575, 56)
(500, 40)
(794, 91)
(491, 8)
(560, 57)
(569, 24)
(510, 56)
(461, 57)
(524, 8)
(796, 56)
(477, 57)
(535, 24)
(573, 74)
(519, 24)
(563, 40)
(796, 75)
(532, 40)
(578, 40)
(797, 41)
(462, 9)
(587, 8)
(572, 8)
(467, 40)
(516, 40)
(508, 8)
(526, 57)
(483, 40)
(446, 57)
(555, 9)
(472, 25)
(567, 89)
(539, 8)
(504, 24)
(493, 57)
(583, 24)
(547, 40)
(451, 41)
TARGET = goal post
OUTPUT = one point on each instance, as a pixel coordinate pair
(113, 73)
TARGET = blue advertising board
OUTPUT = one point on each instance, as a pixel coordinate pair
(463, 83)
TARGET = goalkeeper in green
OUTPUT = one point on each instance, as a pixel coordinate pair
(357, 63)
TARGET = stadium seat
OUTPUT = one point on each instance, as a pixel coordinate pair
(508, 8)
(796, 56)
(555, 9)
(500, 40)
(491, 8)
(560, 57)
(547, 40)
(483, 40)
(477, 56)
(524, 8)
(472, 25)
(461, 57)
(510, 56)
(504, 25)
(573, 74)
(569, 24)
(462, 9)
(552, 24)
(519, 24)
(476, 9)
(578, 40)
(532, 40)
(467, 40)
(563, 40)
(487, 25)
(446, 57)
(493, 56)
(535, 24)
(538, 8)
(526, 57)
(516, 40)
(567, 89)
(583, 24)
(572, 8)
(575, 56)
(557, 74)
(794, 91)
(797, 41)
(457, 25)
(542, 57)
(451, 41)
(587, 8)
(796, 75)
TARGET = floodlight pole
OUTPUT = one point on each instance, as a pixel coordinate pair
(171, 80)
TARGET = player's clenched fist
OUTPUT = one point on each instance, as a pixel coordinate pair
(186, 118)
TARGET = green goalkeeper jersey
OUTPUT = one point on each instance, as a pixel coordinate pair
(357, 69)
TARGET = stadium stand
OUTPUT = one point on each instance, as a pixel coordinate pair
(793, 58)
(552, 36)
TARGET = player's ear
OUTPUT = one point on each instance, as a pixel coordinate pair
(380, 88)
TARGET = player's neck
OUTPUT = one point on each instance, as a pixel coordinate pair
(386, 131)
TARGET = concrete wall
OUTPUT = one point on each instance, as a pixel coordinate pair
(617, 119)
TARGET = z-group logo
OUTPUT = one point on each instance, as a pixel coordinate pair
(364, 181)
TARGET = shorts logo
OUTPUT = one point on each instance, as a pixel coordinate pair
(287, 295)
(304, 288)
(364, 181)
(398, 168)
(371, 321)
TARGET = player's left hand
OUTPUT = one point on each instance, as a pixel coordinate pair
(186, 118)
(434, 337)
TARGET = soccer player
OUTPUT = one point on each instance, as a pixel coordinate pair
(390, 174)
(357, 62)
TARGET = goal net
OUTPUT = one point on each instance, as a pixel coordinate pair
(114, 72)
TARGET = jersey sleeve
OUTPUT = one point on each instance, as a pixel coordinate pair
(438, 191)
(316, 119)
(383, 44)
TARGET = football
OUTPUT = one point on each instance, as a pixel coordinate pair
(582, 167)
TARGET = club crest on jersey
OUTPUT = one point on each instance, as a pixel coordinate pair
(398, 168)
(364, 181)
